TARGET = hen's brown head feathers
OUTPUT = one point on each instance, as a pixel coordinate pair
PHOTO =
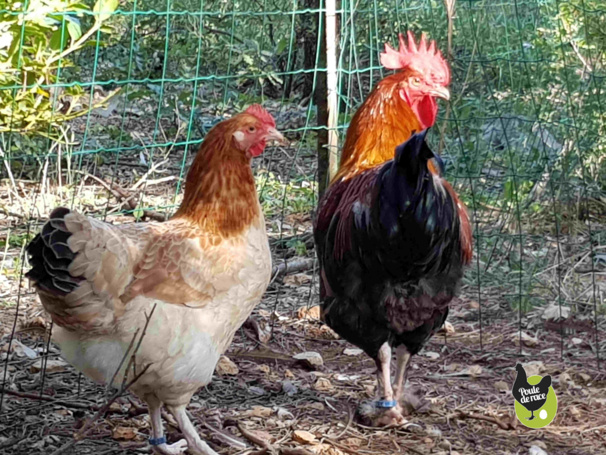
(220, 192)
(400, 104)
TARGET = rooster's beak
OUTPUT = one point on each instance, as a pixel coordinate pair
(440, 92)
(274, 135)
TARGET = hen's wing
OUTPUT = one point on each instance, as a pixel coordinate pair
(87, 271)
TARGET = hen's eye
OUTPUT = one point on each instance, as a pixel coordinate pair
(416, 80)
(251, 129)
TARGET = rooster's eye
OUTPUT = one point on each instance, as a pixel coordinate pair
(416, 80)
(251, 129)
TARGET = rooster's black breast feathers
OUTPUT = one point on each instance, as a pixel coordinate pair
(388, 242)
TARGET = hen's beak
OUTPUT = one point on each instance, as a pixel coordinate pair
(274, 135)
(440, 92)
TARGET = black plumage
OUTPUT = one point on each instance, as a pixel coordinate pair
(390, 255)
(50, 256)
(389, 246)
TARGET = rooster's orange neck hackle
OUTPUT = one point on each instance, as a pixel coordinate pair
(390, 114)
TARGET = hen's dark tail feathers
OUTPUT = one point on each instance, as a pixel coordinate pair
(50, 256)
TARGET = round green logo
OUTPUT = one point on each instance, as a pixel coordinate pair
(536, 403)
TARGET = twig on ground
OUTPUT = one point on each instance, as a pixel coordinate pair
(33, 396)
(287, 267)
(491, 419)
(225, 437)
(265, 445)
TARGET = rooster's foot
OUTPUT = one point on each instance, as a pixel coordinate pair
(177, 448)
(390, 418)
(369, 414)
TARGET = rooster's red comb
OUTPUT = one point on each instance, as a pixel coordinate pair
(259, 111)
(422, 57)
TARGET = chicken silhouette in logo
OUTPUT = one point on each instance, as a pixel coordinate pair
(532, 397)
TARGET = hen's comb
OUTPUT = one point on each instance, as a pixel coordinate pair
(421, 56)
(259, 111)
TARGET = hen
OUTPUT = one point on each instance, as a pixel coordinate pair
(202, 273)
(392, 237)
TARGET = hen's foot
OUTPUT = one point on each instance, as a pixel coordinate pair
(177, 448)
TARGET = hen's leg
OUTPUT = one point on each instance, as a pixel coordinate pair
(403, 360)
(390, 415)
(195, 444)
(155, 407)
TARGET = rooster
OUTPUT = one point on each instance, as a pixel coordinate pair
(185, 286)
(391, 235)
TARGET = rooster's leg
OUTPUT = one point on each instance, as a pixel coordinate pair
(195, 444)
(155, 407)
(383, 361)
(403, 360)
(388, 414)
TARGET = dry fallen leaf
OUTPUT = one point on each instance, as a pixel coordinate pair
(259, 411)
(311, 359)
(304, 437)
(309, 313)
(264, 368)
(124, 433)
(317, 406)
(501, 386)
(297, 279)
(52, 366)
(526, 339)
(288, 374)
(474, 370)
(448, 327)
(566, 381)
(534, 368)
(226, 367)
(323, 384)
(555, 312)
(431, 355)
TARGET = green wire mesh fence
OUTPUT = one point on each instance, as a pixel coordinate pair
(103, 105)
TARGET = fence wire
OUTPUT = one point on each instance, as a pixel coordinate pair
(102, 102)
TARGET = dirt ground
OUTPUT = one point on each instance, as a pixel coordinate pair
(464, 401)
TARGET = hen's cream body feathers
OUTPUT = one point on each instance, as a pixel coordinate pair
(203, 287)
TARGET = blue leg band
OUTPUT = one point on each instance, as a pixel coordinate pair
(385, 404)
(157, 441)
